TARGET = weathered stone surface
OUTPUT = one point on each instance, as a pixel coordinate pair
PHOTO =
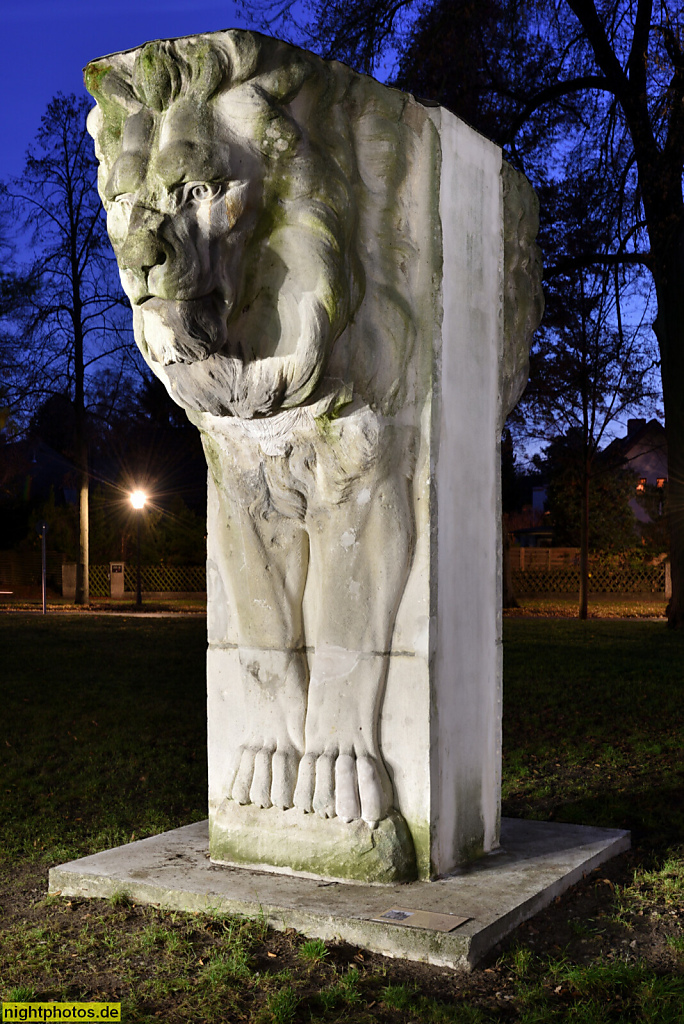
(320, 273)
(310, 845)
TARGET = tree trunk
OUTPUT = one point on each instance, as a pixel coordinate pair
(83, 567)
(509, 599)
(669, 328)
(584, 547)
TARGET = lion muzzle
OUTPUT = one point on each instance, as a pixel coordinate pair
(184, 331)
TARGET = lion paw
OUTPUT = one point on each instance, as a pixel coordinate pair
(342, 785)
(265, 777)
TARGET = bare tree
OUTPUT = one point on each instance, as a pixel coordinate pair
(71, 315)
(604, 74)
(637, 49)
(591, 365)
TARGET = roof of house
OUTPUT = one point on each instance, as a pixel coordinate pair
(644, 447)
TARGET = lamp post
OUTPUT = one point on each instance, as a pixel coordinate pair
(41, 530)
(138, 499)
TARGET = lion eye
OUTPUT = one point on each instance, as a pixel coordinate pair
(201, 191)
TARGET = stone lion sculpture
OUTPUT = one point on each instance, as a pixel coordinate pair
(278, 275)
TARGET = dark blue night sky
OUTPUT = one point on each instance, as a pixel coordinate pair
(44, 45)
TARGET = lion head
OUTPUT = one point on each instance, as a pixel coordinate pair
(227, 186)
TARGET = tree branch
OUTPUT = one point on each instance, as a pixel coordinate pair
(569, 263)
(553, 92)
(636, 63)
(586, 14)
(632, 100)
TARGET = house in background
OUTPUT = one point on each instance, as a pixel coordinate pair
(529, 528)
(644, 450)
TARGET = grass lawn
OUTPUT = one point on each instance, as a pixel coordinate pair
(601, 606)
(102, 739)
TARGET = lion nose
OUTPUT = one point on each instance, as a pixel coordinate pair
(141, 251)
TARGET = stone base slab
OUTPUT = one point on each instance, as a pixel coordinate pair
(537, 861)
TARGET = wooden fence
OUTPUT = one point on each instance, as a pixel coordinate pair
(647, 580)
(524, 559)
(184, 579)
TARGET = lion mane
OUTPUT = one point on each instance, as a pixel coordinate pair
(303, 280)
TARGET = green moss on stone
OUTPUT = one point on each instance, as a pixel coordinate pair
(471, 850)
(212, 454)
(113, 114)
(420, 834)
(93, 76)
(326, 847)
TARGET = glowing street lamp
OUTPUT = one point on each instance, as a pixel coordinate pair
(138, 500)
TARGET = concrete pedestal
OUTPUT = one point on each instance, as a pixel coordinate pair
(535, 863)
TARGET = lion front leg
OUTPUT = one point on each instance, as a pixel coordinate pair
(360, 556)
(263, 561)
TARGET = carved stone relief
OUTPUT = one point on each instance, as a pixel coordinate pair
(275, 219)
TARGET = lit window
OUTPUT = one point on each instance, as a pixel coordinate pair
(661, 481)
(641, 486)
